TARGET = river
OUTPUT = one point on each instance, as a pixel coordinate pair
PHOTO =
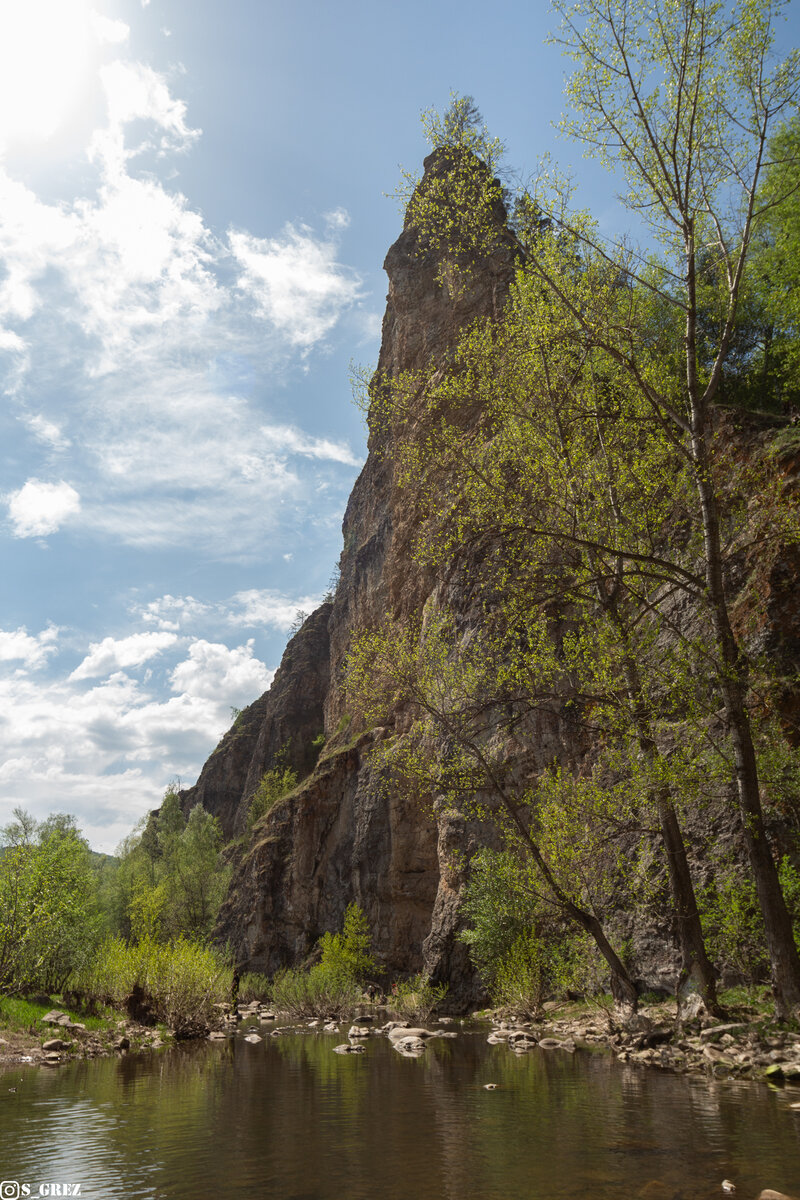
(288, 1118)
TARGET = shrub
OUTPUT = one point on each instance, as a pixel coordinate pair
(416, 998)
(49, 922)
(253, 986)
(314, 993)
(275, 784)
(180, 982)
(347, 954)
(333, 986)
(733, 927)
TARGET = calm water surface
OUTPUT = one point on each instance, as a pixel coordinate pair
(289, 1118)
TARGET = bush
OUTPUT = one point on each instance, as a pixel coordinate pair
(180, 983)
(523, 976)
(347, 954)
(333, 986)
(415, 999)
(49, 922)
(253, 986)
(733, 926)
(523, 953)
(274, 785)
(314, 993)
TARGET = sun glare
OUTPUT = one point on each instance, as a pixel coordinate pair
(44, 56)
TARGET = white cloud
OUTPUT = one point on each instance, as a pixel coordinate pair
(286, 437)
(38, 508)
(174, 612)
(47, 432)
(295, 281)
(116, 653)
(253, 607)
(105, 748)
(108, 31)
(135, 91)
(214, 672)
(128, 298)
(337, 220)
(32, 651)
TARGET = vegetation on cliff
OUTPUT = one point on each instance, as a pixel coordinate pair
(577, 481)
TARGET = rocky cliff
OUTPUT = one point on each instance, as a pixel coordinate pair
(340, 835)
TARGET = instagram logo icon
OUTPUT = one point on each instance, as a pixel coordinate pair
(10, 1190)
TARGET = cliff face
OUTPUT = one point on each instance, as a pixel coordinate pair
(341, 835)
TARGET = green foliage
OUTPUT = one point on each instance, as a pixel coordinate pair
(253, 986)
(314, 993)
(49, 920)
(333, 985)
(347, 955)
(275, 784)
(522, 977)
(733, 925)
(790, 886)
(180, 982)
(343, 724)
(171, 878)
(522, 952)
(416, 998)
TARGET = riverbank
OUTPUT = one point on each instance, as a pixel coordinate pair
(746, 1044)
(742, 1045)
(43, 1032)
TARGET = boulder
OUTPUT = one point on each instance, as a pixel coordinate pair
(400, 1031)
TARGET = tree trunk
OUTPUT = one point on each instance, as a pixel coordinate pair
(694, 959)
(623, 988)
(733, 684)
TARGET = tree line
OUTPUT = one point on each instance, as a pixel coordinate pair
(62, 906)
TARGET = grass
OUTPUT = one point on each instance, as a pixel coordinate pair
(25, 1016)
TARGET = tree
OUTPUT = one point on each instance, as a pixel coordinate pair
(49, 923)
(172, 878)
(469, 698)
(685, 95)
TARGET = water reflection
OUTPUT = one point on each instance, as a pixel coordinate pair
(288, 1118)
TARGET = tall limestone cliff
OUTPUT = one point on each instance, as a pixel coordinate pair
(341, 835)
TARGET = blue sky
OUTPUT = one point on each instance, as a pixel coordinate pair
(192, 224)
